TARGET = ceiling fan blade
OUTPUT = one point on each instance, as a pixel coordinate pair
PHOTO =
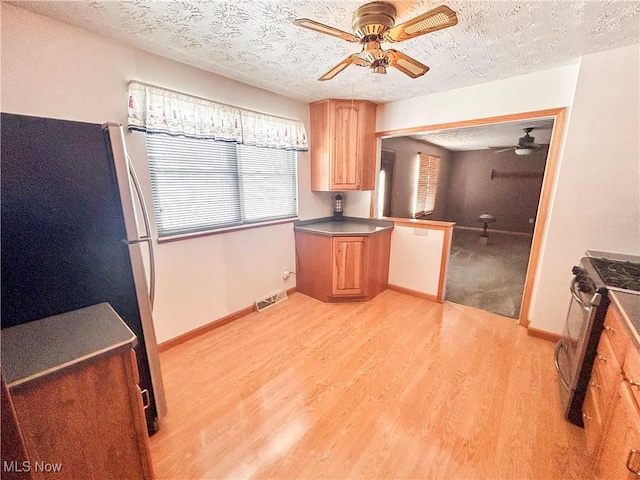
(342, 65)
(406, 64)
(436, 19)
(326, 29)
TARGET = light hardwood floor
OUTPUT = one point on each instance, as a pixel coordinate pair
(398, 387)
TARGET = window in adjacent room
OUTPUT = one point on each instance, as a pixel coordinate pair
(427, 184)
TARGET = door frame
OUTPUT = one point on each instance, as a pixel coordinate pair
(388, 200)
(558, 114)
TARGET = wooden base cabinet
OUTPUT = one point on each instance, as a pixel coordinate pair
(611, 413)
(87, 422)
(620, 458)
(342, 145)
(340, 268)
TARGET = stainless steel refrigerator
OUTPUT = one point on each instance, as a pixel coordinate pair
(69, 232)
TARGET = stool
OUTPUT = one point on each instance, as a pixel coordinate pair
(486, 219)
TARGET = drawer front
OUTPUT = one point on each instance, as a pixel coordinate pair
(616, 332)
(631, 371)
(609, 366)
(592, 418)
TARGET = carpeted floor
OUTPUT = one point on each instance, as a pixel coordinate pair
(490, 277)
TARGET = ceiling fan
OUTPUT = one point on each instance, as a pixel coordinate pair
(373, 23)
(526, 145)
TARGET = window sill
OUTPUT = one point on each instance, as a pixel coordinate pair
(189, 236)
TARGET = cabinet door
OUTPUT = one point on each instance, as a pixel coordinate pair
(349, 266)
(620, 456)
(345, 167)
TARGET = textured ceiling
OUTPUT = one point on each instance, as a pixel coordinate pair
(255, 42)
(488, 136)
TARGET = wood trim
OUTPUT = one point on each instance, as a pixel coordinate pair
(415, 223)
(444, 263)
(543, 211)
(499, 175)
(413, 293)
(552, 337)
(164, 346)
(547, 182)
(551, 112)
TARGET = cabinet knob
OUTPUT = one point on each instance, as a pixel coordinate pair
(595, 385)
(633, 383)
(601, 358)
(609, 329)
(632, 462)
(586, 417)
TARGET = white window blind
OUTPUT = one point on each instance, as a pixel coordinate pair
(427, 184)
(203, 184)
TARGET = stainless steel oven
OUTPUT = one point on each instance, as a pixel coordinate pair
(575, 352)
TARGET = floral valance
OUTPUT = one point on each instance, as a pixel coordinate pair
(157, 110)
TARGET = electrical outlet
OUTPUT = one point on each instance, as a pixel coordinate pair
(286, 273)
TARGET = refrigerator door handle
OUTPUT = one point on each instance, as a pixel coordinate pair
(147, 226)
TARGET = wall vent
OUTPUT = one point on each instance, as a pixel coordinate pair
(271, 300)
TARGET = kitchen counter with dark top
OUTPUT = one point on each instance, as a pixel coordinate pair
(348, 226)
(40, 348)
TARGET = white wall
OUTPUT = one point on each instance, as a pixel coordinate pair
(416, 258)
(54, 70)
(598, 163)
(597, 199)
(536, 91)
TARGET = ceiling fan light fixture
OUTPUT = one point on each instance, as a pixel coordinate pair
(374, 23)
(524, 150)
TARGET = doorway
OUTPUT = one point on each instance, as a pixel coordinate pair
(537, 227)
(385, 181)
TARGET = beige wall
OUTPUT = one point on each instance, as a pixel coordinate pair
(405, 187)
(512, 201)
(54, 70)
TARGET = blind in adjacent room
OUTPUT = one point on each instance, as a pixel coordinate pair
(427, 184)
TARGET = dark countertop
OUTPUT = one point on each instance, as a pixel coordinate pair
(36, 349)
(345, 227)
(629, 306)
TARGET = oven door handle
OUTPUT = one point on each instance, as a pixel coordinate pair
(556, 354)
(574, 293)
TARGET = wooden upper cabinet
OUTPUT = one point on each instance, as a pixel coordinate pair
(343, 145)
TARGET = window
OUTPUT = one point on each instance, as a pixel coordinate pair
(204, 184)
(427, 184)
(213, 165)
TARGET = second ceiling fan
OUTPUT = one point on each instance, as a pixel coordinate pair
(373, 23)
(526, 145)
